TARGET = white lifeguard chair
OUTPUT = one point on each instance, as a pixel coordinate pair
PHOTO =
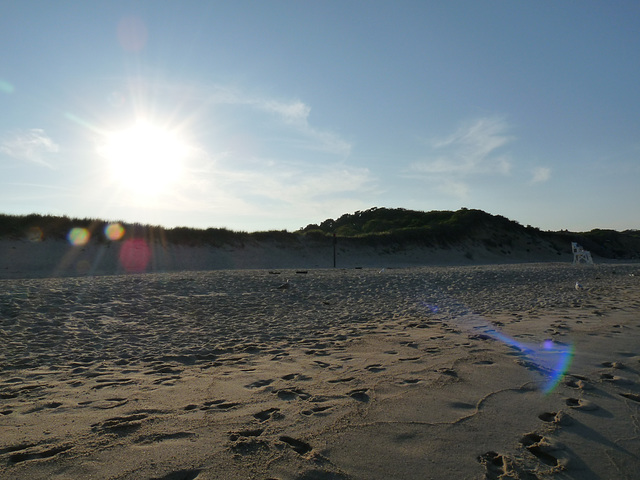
(580, 255)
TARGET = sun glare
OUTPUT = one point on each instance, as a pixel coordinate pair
(144, 158)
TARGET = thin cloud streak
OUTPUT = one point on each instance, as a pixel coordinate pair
(295, 185)
(541, 175)
(294, 113)
(470, 150)
(273, 189)
(29, 145)
(297, 113)
(236, 186)
(262, 158)
(473, 150)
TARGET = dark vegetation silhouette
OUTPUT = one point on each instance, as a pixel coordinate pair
(445, 229)
(391, 228)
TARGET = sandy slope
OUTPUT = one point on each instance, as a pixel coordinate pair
(53, 258)
(347, 374)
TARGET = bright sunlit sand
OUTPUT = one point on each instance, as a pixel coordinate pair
(424, 373)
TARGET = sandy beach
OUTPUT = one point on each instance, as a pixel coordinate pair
(420, 373)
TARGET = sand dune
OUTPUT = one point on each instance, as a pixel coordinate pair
(416, 373)
(55, 258)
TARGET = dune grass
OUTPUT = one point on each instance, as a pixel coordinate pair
(378, 227)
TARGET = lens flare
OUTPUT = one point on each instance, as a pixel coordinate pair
(135, 255)
(116, 99)
(114, 231)
(83, 267)
(564, 355)
(78, 236)
(6, 87)
(132, 34)
(550, 359)
(34, 234)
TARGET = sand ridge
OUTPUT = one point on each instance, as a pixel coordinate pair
(346, 374)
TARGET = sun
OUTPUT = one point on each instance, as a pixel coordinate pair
(144, 158)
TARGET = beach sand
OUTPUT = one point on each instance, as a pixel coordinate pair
(418, 373)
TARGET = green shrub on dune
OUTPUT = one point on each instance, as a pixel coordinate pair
(376, 227)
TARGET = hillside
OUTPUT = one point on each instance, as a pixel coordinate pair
(37, 245)
(446, 229)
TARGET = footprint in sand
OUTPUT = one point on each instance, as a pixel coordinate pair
(120, 425)
(410, 381)
(484, 362)
(496, 465)
(580, 404)
(298, 446)
(111, 382)
(168, 381)
(243, 434)
(40, 407)
(448, 372)
(248, 445)
(341, 380)
(163, 368)
(546, 450)
(289, 394)
(558, 418)
(617, 365)
(375, 368)
(25, 452)
(107, 403)
(320, 411)
(409, 359)
(297, 376)
(162, 437)
(480, 336)
(270, 413)
(260, 383)
(615, 379)
(218, 405)
(360, 395)
(548, 417)
(631, 396)
(280, 356)
(577, 384)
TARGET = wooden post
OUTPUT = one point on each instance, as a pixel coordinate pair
(335, 241)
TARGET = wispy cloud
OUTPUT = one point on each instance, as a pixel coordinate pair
(32, 145)
(272, 192)
(258, 156)
(311, 193)
(474, 149)
(293, 114)
(541, 174)
(292, 184)
(296, 114)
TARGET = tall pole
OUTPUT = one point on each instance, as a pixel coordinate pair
(335, 242)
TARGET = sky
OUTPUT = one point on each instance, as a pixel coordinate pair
(275, 114)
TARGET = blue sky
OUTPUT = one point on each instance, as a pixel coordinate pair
(257, 115)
